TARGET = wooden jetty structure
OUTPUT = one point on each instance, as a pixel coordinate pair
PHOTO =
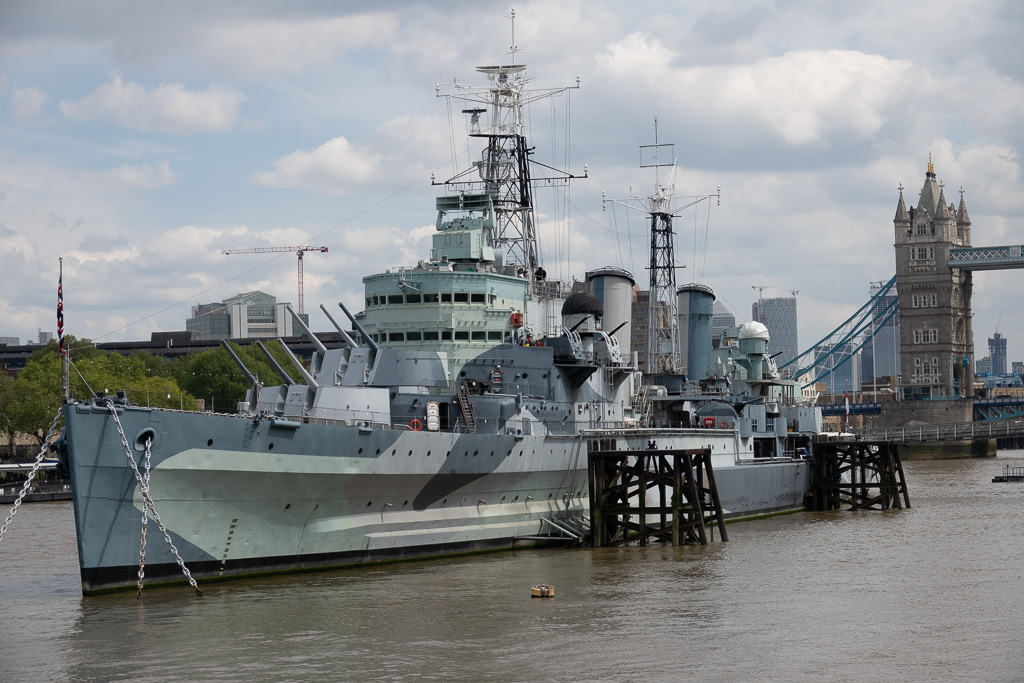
(686, 493)
(862, 474)
(1010, 473)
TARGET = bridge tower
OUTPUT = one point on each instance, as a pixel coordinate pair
(936, 336)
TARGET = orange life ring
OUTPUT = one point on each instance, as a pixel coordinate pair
(415, 425)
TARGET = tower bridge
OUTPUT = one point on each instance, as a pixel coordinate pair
(935, 262)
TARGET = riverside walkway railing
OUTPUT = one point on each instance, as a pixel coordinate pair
(960, 431)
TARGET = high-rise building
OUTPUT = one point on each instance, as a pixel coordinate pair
(44, 337)
(11, 341)
(252, 315)
(721, 319)
(778, 314)
(997, 350)
(1017, 367)
(880, 355)
(984, 366)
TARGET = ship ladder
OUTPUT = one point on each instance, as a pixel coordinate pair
(468, 412)
(642, 405)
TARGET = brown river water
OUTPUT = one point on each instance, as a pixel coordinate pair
(934, 593)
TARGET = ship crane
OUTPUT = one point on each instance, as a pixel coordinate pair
(271, 250)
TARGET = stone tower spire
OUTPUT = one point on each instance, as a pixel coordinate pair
(963, 222)
(936, 337)
(902, 216)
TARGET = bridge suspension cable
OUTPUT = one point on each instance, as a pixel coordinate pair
(867, 316)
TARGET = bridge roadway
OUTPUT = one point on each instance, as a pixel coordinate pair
(961, 431)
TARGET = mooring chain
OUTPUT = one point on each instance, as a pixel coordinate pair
(31, 475)
(148, 500)
(145, 521)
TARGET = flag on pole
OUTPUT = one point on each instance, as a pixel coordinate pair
(60, 309)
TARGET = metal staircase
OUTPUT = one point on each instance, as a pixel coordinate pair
(468, 412)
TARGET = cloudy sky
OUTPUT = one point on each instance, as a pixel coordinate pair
(138, 140)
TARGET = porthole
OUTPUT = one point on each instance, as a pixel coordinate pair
(405, 503)
(378, 452)
(288, 507)
(270, 446)
(549, 496)
(525, 375)
(515, 499)
(410, 454)
(447, 454)
(209, 442)
(444, 501)
(360, 452)
(428, 454)
(317, 506)
(369, 503)
(492, 454)
(393, 451)
(475, 453)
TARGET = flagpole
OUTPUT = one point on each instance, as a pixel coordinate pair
(64, 359)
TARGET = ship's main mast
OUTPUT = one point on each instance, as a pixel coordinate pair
(504, 168)
(663, 350)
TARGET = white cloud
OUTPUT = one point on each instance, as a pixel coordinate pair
(268, 47)
(168, 107)
(334, 167)
(27, 102)
(144, 177)
(803, 97)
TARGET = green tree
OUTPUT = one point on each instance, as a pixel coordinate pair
(36, 392)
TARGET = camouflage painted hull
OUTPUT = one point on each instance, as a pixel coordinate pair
(241, 496)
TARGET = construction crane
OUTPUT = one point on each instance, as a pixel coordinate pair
(271, 250)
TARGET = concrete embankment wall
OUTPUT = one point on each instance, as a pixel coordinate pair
(901, 413)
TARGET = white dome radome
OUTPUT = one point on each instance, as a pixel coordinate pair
(754, 331)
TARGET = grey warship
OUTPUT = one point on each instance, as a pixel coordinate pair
(456, 417)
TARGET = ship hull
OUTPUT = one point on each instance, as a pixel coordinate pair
(241, 496)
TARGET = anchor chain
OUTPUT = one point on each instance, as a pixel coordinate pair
(148, 500)
(145, 520)
(31, 475)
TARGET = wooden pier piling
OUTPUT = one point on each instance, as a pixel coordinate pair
(686, 491)
(864, 475)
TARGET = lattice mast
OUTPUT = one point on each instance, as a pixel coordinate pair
(504, 167)
(271, 250)
(663, 350)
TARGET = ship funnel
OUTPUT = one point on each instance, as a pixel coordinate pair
(695, 305)
(613, 287)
